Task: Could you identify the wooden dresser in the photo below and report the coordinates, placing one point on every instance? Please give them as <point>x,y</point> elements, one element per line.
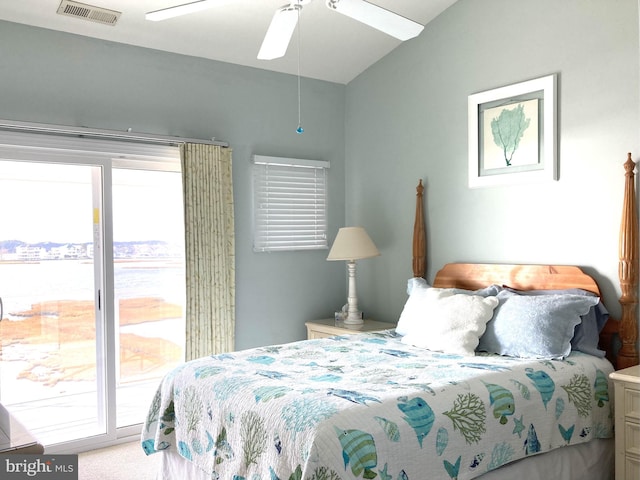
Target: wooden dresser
<point>627,422</point>
<point>329,327</point>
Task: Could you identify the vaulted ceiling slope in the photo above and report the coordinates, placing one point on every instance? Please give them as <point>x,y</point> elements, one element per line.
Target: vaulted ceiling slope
<point>333,47</point>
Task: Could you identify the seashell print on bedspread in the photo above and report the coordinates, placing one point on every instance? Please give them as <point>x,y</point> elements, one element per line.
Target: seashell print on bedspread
<point>368,406</point>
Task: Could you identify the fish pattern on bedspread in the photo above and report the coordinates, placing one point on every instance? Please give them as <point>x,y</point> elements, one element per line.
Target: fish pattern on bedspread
<point>368,406</point>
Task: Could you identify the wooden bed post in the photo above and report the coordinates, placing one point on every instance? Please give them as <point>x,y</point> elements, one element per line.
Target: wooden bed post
<point>419,241</point>
<point>628,271</point>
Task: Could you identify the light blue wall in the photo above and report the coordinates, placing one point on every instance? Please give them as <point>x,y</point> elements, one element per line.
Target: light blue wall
<point>407,119</point>
<point>52,77</point>
<point>403,119</point>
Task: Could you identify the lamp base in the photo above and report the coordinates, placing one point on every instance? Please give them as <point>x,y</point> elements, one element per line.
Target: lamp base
<point>354,318</point>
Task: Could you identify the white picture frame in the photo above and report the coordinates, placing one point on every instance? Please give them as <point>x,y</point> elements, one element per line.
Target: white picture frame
<point>512,134</point>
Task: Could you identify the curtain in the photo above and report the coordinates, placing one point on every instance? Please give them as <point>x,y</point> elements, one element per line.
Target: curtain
<point>210,249</point>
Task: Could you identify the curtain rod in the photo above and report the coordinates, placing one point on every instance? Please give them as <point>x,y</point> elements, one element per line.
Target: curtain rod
<point>12,125</point>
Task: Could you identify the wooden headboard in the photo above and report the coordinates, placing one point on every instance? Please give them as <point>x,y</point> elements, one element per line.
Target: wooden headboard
<point>556,277</point>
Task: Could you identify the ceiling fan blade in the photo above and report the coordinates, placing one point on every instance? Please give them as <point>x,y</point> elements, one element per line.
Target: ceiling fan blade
<point>279,34</point>
<point>377,17</point>
<point>183,9</point>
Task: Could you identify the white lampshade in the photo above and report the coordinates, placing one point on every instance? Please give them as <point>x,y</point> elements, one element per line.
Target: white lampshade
<point>352,243</point>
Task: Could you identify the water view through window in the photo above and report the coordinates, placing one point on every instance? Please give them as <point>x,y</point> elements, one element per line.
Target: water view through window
<point>149,283</point>
<point>92,310</point>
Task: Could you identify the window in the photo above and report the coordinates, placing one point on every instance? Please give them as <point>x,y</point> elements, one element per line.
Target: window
<point>290,204</point>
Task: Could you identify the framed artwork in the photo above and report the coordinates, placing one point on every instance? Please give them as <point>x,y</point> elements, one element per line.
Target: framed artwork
<point>512,134</point>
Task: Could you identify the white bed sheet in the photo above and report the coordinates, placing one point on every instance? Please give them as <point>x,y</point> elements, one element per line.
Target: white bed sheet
<point>588,461</point>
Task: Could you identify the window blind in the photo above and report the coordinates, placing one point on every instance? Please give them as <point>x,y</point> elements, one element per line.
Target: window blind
<point>290,204</point>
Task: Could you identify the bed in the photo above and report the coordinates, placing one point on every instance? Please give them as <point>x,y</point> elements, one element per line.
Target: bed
<point>464,387</point>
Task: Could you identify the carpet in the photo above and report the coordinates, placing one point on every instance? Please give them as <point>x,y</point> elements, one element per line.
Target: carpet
<point>125,461</point>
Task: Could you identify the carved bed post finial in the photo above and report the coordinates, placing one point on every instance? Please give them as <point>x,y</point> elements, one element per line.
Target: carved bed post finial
<point>419,241</point>
<point>628,271</point>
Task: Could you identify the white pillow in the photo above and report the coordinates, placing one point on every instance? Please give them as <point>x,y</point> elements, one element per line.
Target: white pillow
<point>417,289</point>
<point>416,282</point>
<point>451,323</point>
<point>415,306</point>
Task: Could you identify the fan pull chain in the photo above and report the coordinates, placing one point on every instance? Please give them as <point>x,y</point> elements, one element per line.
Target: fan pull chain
<point>299,130</point>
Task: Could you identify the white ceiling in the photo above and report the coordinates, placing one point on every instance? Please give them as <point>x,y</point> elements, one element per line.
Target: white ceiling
<point>333,47</point>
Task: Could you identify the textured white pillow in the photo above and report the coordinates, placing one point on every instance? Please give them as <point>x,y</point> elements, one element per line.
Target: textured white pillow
<point>452,323</point>
<point>417,303</point>
<point>413,313</point>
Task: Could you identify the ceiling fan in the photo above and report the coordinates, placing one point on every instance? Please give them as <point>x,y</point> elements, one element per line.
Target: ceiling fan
<point>285,20</point>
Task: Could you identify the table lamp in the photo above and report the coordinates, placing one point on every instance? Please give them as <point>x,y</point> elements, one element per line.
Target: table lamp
<point>351,244</point>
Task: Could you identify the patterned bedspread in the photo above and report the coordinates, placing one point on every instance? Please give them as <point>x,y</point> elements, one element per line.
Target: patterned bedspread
<point>368,406</point>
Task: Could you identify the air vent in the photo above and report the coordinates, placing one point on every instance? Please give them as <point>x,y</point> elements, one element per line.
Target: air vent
<point>88,12</point>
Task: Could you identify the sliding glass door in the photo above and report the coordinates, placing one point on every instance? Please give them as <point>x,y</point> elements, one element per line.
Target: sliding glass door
<point>52,323</point>
<point>92,289</point>
<point>149,275</point>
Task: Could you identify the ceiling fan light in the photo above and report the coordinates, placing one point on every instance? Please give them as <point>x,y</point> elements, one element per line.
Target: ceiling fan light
<point>279,34</point>
<point>377,17</point>
<point>184,9</point>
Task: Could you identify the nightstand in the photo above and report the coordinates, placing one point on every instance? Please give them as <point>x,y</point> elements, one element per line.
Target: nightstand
<point>14,438</point>
<point>627,422</point>
<point>328,327</point>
